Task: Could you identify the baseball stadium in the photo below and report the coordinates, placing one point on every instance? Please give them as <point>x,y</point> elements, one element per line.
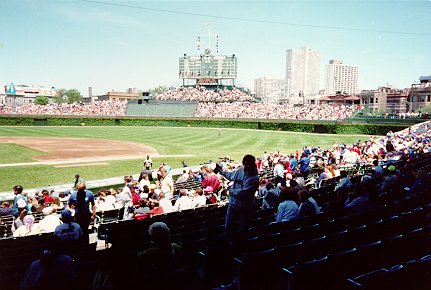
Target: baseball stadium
<point>206,186</point>
<point>43,152</point>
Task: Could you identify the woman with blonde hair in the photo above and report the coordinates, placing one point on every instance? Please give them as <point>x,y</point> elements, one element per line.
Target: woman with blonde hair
<point>56,201</point>
<point>334,170</point>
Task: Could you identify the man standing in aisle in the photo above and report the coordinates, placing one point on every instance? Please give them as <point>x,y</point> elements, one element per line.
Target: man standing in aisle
<point>80,202</point>
<point>304,165</point>
<point>17,190</point>
<point>241,198</point>
<point>166,183</point>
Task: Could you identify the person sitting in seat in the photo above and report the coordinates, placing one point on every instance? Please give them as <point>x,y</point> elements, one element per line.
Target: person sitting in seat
<point>68,231</point>
<point>5,209</point>
<point>306,208</point>
<point>28,228</point>
<point>357,201</point>
<point>199,198</point>
<point>184,201</point>
<point>210,179</point>
<point>164,256</point>
<point>344,184</point>
<point>271,196</point>
<point>288,209</point>
<point>50,221</point>
<point>51,270</point>
<point>183,177</point>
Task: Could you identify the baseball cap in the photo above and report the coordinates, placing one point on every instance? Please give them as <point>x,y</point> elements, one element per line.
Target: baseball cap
<point>66,214</point>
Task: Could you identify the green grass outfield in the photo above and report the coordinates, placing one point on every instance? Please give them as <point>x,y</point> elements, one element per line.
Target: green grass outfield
<point>201,143</point>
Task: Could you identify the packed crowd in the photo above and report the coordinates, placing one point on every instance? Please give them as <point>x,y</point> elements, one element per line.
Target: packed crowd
<point>274,111</point>
<point>100,108</point>
<point>289,187</point>
<point>402,145</point>
<point>201,94</point>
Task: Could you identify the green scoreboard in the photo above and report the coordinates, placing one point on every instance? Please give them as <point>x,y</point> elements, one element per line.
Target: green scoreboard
<point>208,68</point>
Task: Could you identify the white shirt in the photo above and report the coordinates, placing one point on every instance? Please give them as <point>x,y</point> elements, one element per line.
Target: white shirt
<point>49,223</point>
<point>199,200</point>
<point>166,183</point>
<point>125,195</point>
<point>166,204</point>
<point>184,202</point>
<point>104,206</point>
<point>23,231</point>
<point>110,199</point>
<point>148,163</point>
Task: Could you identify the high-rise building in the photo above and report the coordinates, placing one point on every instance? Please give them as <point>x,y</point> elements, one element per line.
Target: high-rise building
<point>270,89</point>
<point>341,77</point>
<point>302,72</point>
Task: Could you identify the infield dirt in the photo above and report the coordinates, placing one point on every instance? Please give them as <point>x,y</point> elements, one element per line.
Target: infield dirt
<point>81,149</point>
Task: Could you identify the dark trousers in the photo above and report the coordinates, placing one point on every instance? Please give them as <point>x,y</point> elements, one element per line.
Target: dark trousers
<point>236,224</point>
<point>84,220</point>
<point>304,173</point>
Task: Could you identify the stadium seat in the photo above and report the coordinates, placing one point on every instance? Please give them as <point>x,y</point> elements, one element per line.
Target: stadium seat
<point>291,236</point>
<point>290,255</point>
<point>262,242</point>
<point>371,256</point>
<point>340,241</point>
<point>255,270</point>
<point>316,248</point>
<point>316,275</point>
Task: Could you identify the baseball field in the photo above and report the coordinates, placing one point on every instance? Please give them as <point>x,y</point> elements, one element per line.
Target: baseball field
<point>42,156</point>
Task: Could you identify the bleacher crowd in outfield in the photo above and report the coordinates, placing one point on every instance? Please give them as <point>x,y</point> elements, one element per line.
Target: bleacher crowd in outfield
<point>102,108</point>
<point>221,103</point>
<point>274,111</point>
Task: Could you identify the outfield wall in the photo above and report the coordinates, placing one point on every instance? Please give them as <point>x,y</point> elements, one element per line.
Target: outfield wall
<point>156,108</point>
<point>328,127</point>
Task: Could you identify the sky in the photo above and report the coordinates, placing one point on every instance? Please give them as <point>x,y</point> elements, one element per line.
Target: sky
<point>114,45</point>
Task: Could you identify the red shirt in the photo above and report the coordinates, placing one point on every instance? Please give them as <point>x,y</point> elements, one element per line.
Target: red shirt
<point>48,199</point>
<point>211,180</point>
<point>157,210</point>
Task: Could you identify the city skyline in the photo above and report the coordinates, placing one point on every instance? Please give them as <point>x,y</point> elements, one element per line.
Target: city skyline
<point>341,77</point>
<point>302,72</point>
<point>115,45</point>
